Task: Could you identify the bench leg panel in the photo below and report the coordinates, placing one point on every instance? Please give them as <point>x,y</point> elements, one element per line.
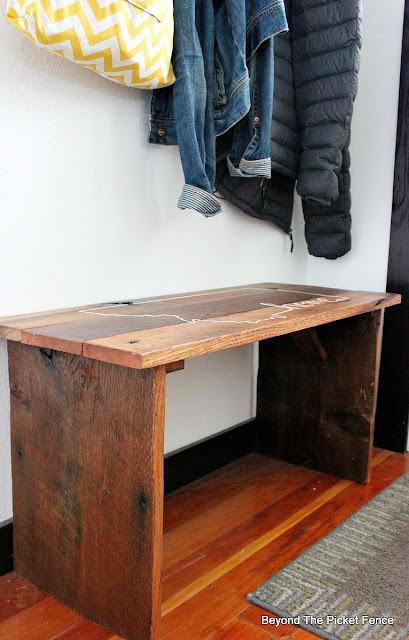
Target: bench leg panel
<point>316,396</point>
<point>87,459</point>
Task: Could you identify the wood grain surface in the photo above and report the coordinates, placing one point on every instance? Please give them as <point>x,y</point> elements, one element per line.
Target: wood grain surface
<point>316,396</point>
<point>87,453</point>
<point>153,331</point>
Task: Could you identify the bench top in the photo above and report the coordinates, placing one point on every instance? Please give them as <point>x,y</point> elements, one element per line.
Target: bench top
<point>153,331</point>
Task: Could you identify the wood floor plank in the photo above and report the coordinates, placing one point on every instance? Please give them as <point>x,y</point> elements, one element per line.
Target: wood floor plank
<point>214,488</point>
<point>42,621</point>
<point>201,568</point>
<point>253,615</point>
<point>7,577</point>
<point>241,630</point>
<point>253,547</point>
<point>16,595</point>
<point>302,634</point>
<point>217,486</point>
<point>85,631</point>
<point>225,599</point>
<point>209,524</point>
<point>218,557</point>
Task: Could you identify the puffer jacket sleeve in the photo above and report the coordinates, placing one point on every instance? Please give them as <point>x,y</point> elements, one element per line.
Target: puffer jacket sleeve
<point>326,38</point>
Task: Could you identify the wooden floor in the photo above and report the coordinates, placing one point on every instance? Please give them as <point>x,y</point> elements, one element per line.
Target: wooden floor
<point>224,535</point>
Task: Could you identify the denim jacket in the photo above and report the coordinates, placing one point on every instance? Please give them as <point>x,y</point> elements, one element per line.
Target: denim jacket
<point>223,61</point>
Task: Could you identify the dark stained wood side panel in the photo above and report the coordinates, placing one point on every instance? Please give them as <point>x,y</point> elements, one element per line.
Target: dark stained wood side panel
<point>391,429</point>
<point>87,454</point>
<point>319,412</point>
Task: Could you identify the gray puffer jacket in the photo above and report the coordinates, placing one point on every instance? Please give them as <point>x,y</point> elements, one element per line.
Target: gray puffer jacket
<point>316,73</point>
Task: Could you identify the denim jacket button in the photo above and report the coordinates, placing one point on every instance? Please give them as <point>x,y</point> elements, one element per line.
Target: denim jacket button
<point>256,120</point>
<point>161,132</point>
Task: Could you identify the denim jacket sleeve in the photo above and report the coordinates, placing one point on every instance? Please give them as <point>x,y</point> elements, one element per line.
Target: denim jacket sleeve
<point>212,42</point>
<point>184,115</point>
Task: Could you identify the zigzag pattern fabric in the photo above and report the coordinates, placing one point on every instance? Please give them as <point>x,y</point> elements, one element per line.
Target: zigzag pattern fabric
<point>129,42</point>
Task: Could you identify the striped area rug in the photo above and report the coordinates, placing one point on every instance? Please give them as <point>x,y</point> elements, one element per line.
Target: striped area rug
<point>354,583</point>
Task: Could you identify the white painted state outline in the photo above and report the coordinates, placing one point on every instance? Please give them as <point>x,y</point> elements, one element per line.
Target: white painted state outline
<point>292,306</point>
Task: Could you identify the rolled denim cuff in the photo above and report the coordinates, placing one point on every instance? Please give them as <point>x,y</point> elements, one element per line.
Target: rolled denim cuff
<point>199,200</point>
<point>250,168</point>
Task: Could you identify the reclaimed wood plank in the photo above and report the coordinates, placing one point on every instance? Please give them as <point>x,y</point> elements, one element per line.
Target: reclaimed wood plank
<point>310,346</point>
<point>106,322</point>
<point>32,623</point>
<point>87,454</point>
<point>149,332</point>
<point>320,412</point>
<point>11,326</point>
<point>159,346</point>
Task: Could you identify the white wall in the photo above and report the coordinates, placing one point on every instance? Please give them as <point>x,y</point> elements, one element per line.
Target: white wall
<point>88,214</point>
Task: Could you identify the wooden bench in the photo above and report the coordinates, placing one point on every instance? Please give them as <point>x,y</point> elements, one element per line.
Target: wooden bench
<point>87,422</point>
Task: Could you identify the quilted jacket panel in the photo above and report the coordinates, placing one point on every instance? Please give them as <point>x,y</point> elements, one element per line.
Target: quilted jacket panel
<point>316,80</point>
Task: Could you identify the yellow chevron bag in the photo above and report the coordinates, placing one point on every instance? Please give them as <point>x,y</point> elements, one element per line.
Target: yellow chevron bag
<point>127,41</point>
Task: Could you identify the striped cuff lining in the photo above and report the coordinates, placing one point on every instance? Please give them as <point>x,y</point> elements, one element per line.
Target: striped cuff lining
<point>199,200</point>
<point>250,168</point>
